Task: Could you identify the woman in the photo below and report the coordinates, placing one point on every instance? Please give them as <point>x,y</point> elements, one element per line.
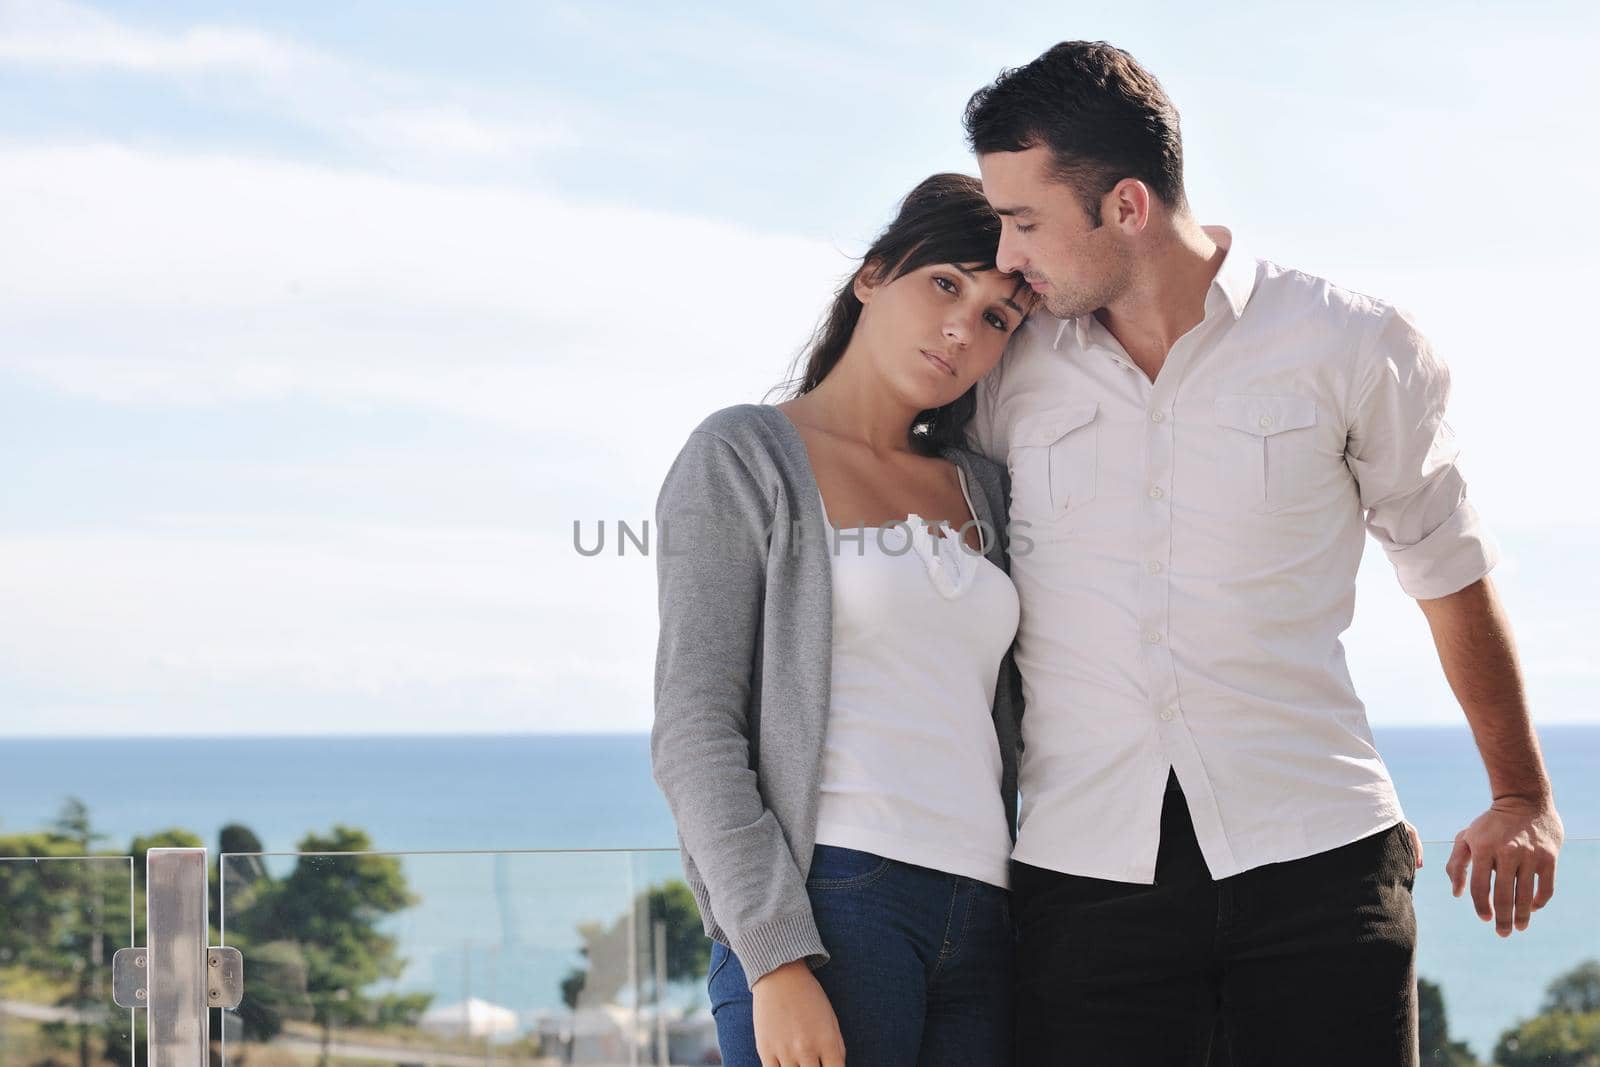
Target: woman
<point>836,704</point>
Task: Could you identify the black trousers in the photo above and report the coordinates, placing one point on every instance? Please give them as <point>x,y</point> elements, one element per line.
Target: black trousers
<point>1307,963</point>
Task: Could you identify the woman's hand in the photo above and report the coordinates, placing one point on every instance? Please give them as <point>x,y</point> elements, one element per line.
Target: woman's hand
<point>1416,843</point>
<point>795,1025</point>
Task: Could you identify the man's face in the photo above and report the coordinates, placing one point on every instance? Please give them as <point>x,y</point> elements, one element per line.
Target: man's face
<point>1075,266</point>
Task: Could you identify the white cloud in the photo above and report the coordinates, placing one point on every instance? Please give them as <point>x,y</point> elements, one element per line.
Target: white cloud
<point>149,278</point>
<point>583,332</point>
<point>199,278</point>
<point>182,622</point>
<point>441,131</point>
<point>1548,591</point>
<point>60,34</point>
<point>395,118</point>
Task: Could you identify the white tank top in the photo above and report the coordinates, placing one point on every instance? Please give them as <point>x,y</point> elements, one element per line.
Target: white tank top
<point>911,765</point>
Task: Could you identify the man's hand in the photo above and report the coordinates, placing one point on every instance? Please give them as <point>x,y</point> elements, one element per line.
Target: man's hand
<point>1518,838</point>
<point>1416,843</point>
<point>795,1025</point>
<point>1508,844</point>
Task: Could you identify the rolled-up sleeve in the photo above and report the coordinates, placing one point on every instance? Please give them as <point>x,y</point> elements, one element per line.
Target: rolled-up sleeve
<point>713,518</point>
<point>1403,455</point>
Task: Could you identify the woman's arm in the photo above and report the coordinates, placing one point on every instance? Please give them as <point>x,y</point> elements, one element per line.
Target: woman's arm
<point>713,518</point>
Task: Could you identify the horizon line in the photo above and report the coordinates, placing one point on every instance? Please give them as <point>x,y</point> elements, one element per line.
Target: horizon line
<point>570,734</point>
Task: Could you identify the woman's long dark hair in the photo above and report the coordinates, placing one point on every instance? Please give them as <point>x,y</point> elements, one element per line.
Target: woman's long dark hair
<point>945,219</point>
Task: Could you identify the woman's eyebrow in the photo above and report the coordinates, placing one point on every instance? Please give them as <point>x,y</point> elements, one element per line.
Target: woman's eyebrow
<point>1010,301</point>
<point>1005,299</point>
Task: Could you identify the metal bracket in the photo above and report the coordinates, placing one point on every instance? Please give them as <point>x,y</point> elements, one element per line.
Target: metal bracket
<point>130,970</point>
<point>224,977</point>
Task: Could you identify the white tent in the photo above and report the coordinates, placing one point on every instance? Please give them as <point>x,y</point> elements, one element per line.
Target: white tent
<point>471,1018</point>
<point>692,1037</point>
<point>593,1033</point>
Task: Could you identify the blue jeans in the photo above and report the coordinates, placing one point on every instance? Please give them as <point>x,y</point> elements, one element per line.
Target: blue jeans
<point>919,973</point>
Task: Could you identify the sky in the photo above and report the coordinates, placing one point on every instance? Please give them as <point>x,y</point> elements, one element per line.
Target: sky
<point>321,324</point>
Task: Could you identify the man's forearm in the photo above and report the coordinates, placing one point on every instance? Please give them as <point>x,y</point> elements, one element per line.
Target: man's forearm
<point>1479,657</point>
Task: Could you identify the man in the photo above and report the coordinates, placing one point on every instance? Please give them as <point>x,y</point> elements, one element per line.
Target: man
<point>1196,440</point>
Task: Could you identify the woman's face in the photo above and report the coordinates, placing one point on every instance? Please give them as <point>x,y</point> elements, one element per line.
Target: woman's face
<point>936,330</point>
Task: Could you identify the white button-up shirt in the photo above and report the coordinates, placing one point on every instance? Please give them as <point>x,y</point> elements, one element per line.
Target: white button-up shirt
<point>1185,552</point>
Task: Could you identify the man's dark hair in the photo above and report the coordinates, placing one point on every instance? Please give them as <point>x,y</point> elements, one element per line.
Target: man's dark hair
<point>1103,117</point>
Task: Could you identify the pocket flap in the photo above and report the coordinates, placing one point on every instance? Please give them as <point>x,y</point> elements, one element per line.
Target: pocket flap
<point>1266,415</point>
<point>1050,426</point>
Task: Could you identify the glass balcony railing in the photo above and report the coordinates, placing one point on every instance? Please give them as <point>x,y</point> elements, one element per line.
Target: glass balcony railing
<point>598,958</point>
<point>462,959</point>
<point>467,958</point>
<point>62,919</point>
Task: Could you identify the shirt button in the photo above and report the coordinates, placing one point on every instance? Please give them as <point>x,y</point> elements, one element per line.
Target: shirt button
<point>1265,421</point>
<point>1166,714</point>
<point>1154,566</point>
<point>1158,416</point>
<point>1153,638</point>
<point>1156,493</point>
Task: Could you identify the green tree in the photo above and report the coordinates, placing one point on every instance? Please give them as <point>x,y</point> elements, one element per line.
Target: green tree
<point>688,952</point>
<point>310,942</point>
<point>328,908</point>
<point>275,989</point>
<point>23,899</point>
<point>1433,1030</point>
<point>606,946</point>
<point>73,825</point>
<point>83,945</point>
<point>56,927</point>
<point>1560,1039</point>
<point>1577,991</point>
<point>1567,1034</point>
<point>238,873</point>
<point>668,907</point>
<point>401,1009</point>
<point>26,970</point>
<point>572,987</point>
<point>242,847</point>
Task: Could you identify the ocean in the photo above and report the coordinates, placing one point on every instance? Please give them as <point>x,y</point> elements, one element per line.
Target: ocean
<point>504,926</point>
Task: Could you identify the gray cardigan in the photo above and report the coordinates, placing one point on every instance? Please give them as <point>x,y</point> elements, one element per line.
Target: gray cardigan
<point>743,672</point>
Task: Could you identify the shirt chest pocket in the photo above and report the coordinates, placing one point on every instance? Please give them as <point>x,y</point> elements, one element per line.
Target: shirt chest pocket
<point>1053,460</point>
<point>1268,458</point>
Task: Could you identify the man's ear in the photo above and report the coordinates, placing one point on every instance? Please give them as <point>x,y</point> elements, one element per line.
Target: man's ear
<point>869,279</point>
<point>1128,205</point>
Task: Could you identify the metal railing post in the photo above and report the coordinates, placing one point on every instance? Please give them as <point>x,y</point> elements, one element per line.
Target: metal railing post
<point>176,932</point>
<point>176,977</point>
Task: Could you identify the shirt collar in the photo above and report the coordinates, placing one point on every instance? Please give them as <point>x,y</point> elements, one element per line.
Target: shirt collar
<point>1235,281</point>
<point>1236,278</point>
